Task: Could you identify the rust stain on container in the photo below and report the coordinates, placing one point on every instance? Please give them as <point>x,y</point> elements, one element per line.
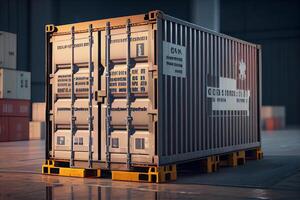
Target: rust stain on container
<point>193,92</point>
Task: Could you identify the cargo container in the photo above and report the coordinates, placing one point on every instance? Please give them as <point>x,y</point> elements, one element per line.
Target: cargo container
<point>14,107</point>
<point>8,50</point>
<point>8,81</point>
<point>23,85</point>
<point>38,111</point>
<point>18,128</point>
<point>15,84</point>
<point>148,90</point>
<point>3,129</point>
<point>14,128</point>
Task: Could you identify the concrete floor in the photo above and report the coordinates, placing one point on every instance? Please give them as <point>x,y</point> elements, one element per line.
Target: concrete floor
<point>277,176</point>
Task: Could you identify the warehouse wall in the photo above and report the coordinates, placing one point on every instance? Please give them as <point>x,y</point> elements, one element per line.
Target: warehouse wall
<point>275,24</point>
<point>206,13</point>
<point>14,18</point>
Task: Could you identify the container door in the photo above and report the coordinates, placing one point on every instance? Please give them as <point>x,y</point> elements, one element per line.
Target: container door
<point>130,129</point>
<point>62,80</point>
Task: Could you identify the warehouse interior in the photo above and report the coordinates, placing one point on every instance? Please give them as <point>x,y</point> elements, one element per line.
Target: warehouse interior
<point>274,24</point>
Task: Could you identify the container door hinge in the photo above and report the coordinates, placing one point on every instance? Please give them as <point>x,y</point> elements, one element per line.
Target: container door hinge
<point>153,114</point>
<point>152,68</point>
<point>152,111</point>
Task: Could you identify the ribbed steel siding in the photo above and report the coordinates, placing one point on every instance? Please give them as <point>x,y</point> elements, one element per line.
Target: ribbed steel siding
<point>187,127</point>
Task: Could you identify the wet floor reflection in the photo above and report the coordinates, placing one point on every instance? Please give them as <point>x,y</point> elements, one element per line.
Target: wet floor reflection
<point>75,192</point>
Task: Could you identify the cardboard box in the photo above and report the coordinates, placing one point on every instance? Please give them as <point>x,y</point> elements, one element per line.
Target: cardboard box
<point>23,85</point>
<point>8,50</point>
<point>272,117</point>
<point>38,112</point>
<point>37,130</point>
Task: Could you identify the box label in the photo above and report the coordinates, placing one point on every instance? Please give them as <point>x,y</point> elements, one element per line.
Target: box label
<point>174,60</point>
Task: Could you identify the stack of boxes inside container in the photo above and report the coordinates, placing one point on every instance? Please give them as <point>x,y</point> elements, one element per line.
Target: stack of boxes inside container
<point>15,92</point>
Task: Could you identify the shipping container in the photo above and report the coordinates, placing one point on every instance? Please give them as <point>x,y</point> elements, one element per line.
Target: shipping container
<point>8,50</point>
<point>148,89</point>
<point>18,128</point>
<point>37,130</point>
<point>38,111</point>
<point>8,81</point>
<point>15,84</point>
<point>14,107</point>
<point>3,129</point>
<point>23,85</point>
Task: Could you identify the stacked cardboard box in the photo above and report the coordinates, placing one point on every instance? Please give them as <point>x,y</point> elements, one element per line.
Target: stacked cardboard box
<point>273,117</point>
<point>15,92</point>
<point>37,127</point>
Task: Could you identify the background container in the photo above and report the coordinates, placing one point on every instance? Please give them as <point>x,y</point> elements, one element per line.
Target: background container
<point>8,50</point>
<point>193,92</point>
<point>14,107</point>
<point>15,84</point>
<point>3,129</point>
<point>18,128</point>
<point>274,116</point>
<point>8,84</point>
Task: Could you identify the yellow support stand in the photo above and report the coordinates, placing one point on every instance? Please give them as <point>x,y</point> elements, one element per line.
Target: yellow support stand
<point>233,159</point>
<point>153,175</point>
<point>50,169</point>
<point>210,164</point>
<point>254,154</point>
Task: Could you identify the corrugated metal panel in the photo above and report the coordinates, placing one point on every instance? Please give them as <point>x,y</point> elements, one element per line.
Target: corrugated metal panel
<point>213,60</point>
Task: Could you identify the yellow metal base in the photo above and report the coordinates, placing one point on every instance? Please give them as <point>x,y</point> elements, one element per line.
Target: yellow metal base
<point>153,175</point>
<point>254,154</point>
<point>210,164</point>
<point>50,168</point>
<point>233,159</point>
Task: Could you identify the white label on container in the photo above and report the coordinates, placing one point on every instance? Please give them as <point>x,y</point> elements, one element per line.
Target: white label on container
<point>174,59</point>
<point>227,97</point>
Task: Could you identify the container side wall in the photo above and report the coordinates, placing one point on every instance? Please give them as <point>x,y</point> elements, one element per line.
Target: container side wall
<point>208,92</point>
